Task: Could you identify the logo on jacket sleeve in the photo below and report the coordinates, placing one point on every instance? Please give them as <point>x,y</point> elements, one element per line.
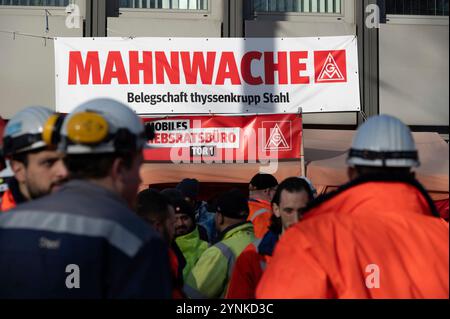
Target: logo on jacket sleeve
<point>330,66</point>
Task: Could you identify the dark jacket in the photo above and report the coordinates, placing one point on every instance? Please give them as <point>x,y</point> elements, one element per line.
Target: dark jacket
<point>117,254</point>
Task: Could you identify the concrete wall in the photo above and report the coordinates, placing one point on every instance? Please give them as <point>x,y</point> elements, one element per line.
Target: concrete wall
<point>414,67</point>
<point>414,70</point>
<point>27,63</point>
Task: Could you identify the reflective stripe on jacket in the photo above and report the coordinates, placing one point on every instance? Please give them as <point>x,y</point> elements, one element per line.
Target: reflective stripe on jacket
<point>209,277</point>
<point>260,215</point>
<point>192,248</point>
<point>87,227</point>
<point>371,240</point>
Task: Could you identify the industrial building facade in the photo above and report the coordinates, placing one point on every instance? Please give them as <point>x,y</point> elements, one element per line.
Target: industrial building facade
<point>404,62</point>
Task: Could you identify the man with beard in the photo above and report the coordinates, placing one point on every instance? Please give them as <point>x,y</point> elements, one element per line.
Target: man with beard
<point>189,188</point>
<point>187,235</point>
<point>158,211</point>
<point>37,166</point>
<point>290,198</point>
<point>85,241</point>
<point>210,276</point>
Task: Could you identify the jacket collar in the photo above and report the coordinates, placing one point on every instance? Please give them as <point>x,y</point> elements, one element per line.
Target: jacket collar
<point>231,230</point>
<point>190,236</point>
<point>257,200</point>
<point>267,244</point>
<point>409,188</point>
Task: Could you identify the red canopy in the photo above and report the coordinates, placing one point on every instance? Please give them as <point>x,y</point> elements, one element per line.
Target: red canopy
<point>325,153</point>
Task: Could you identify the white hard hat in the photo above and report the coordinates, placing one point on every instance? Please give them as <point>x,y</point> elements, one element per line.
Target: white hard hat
<point>102,126</point>
<point>383,141</point>
<point>24,131</point>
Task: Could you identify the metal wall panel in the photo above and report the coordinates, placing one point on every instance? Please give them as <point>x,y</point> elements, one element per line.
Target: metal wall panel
<point>414,70</point>
<point>170,21</point>
<point>27,63</point>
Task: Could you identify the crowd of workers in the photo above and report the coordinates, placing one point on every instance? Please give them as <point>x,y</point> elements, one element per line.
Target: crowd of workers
<point>74,202</point>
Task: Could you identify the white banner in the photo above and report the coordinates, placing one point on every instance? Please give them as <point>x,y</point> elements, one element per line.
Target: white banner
<point>210,75</point>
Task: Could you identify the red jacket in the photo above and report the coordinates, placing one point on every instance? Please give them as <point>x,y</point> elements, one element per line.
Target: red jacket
<point>177,290</point>
<point>250,266</point>
<point>247,272</point>
<point>260,215</point>
<point>7,201</point>
<point>372,240</point>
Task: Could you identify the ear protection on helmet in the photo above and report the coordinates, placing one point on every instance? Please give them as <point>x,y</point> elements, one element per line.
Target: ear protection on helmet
<point>51,131</point>
<point>87,128</point>
<point>91,128</point>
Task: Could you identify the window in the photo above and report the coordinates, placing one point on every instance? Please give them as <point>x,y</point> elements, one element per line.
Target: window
<point>165,4</point>
<point>43,3</point>
<point>417,7</point>
<point>301,6</point>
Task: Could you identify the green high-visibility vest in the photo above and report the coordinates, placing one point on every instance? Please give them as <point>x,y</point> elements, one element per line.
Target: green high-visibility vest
<point>210,276</point>
<point>192,248</point>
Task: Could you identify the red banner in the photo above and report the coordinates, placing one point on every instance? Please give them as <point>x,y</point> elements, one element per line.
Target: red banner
<point>225,139</point>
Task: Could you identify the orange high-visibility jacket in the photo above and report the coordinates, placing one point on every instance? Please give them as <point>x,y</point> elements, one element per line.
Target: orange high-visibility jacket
<point>260,215</point>
<point>372,240</point>
<point>7,201</point>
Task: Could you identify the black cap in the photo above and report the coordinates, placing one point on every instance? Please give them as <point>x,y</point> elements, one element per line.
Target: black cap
<point>263,181</point>
<point>181,206</point>
<point>233,204</point>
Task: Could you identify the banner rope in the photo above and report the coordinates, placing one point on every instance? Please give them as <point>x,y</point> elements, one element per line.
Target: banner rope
<point>15,33</point>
